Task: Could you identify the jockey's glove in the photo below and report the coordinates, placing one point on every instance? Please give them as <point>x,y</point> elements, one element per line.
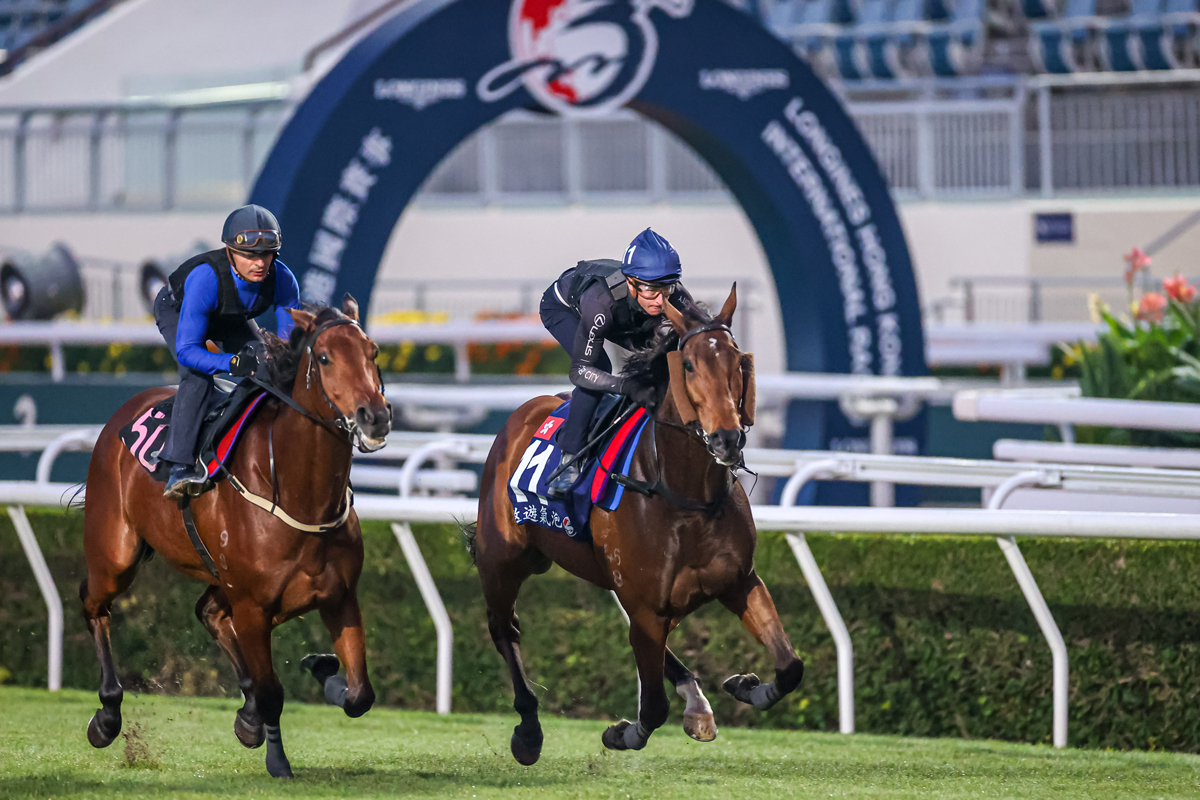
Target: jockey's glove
<point>641,392</point>
<point>244,364</point>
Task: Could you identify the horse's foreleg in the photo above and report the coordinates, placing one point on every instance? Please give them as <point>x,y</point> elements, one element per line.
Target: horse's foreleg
<point>698,720</point>
<point>648,635</point>
<point>254,639</point>
<point>751,601</point>
<point>352,692</point>
<point>215,613</point>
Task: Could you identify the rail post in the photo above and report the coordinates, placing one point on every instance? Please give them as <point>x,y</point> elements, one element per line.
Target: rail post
<point>45,582</point>
<point>820,590</point>
<point>420,570</point>
<point>1037,603</point>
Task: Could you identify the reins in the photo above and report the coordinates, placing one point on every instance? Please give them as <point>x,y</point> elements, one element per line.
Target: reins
<point>339,427</point>
<point>659,487</point>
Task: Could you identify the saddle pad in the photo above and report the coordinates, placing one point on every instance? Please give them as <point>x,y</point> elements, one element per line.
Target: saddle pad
<point>527,488</point>
<point>147,433</point>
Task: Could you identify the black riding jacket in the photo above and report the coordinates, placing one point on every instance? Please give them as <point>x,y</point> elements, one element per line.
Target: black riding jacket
<point>597,291</point>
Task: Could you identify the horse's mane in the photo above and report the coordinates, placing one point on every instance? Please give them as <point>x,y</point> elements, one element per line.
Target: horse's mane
<point>283,356</point>
<point>649,364</point>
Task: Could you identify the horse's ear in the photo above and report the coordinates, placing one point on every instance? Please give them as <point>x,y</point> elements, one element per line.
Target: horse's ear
<point>726,315</point>
<point>303,319</point>
<point>676,318</point>
<point>350,307</point>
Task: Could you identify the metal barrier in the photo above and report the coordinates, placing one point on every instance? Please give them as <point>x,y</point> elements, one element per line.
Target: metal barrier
<point>936,138</point>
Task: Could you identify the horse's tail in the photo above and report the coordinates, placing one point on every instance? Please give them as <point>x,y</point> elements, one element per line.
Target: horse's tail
<point>75,501</point>
<point>469,530</point>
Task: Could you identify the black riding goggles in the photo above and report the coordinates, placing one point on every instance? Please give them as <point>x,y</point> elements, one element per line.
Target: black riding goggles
<point>256,241</point>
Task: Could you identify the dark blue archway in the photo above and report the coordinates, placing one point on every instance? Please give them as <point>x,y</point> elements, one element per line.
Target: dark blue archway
<point>369,134</point>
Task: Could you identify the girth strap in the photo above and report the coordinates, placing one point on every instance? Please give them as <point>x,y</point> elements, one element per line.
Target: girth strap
<point>275,511</point>
<point>189,525</point>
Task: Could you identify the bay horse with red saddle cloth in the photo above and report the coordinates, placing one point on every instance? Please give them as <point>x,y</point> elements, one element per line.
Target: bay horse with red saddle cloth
<point>301,551</point>
<point>683,535</point>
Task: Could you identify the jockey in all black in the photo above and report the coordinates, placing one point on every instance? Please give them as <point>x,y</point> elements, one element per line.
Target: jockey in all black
<point>607,300</point>
<point>217,295</point>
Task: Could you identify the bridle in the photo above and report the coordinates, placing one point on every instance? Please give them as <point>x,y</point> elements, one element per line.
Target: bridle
<point>693,428</point>
<point>342,424</point>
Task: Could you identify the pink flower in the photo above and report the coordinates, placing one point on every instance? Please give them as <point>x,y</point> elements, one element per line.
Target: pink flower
<point>1138,261</point>
<point>1151,307</point>
<point>1179,289</point>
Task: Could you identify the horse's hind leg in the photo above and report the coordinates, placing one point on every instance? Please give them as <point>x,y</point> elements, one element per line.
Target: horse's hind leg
<point>751,601</point>
<point>648,635</point>
<point>698,720</point>
<point>501,584</point>
<point>112,563</point>
<point>254,639</point>
<point>214,612</point>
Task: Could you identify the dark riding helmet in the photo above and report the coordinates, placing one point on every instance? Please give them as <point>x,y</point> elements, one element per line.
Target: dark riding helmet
<point>252,229</point>
<point>650,258</point>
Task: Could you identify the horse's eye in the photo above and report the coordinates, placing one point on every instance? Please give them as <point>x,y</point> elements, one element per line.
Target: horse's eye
<point>687,365</point>
<point>324,359</point>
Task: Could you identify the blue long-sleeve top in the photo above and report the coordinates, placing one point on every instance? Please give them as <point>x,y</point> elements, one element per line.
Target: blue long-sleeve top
<point>201,296</point>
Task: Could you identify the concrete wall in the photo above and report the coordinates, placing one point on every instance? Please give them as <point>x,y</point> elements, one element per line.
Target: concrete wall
<point>180,44</point>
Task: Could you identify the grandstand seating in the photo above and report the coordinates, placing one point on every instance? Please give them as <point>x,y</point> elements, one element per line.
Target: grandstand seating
<point>888,39</point>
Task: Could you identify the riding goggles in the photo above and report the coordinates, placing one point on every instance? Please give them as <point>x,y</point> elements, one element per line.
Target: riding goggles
<point>256,241</point>
<point>650,290</point>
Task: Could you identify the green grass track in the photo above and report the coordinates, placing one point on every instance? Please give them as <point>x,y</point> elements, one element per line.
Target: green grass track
<point>184,747</point>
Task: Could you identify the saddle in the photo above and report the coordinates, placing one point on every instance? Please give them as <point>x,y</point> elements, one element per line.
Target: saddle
<point>228,414</point>
<point>613,438</point>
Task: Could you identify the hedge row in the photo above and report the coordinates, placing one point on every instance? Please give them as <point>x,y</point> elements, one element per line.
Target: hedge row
<point>944,643</point>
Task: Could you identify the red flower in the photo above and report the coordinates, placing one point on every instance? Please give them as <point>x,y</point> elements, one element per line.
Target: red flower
<point>1179,289</point>
<point>1137,261</point>
<point>1151,307</point>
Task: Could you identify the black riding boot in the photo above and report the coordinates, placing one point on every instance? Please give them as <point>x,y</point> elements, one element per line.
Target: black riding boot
<point>568,473</point>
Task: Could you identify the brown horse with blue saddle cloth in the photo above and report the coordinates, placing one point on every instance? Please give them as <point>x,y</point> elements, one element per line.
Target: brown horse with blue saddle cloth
<point>682,535</point>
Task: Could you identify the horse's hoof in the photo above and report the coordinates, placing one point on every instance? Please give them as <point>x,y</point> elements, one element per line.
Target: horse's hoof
<point>525,753</point>
<point>323,666</point>
<point>278,766</point>
<point>701,727</point>
<point>740,686</point>
<point>97,736</point>
<point>614,736</point>
<point>249,734</point>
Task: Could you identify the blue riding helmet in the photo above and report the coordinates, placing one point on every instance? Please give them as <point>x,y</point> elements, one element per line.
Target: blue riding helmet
<point>651,258</point>
<point>252,229</point>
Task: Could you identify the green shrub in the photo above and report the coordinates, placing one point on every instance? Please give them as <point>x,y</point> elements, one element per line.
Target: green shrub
<point>945,645</point>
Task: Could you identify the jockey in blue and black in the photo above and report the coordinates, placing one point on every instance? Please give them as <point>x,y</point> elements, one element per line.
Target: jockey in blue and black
<point>607,300</point>
<point>217,295</point>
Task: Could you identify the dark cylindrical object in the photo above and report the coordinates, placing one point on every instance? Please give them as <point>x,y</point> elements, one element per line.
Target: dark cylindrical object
<point>41,288</point>
<point>156,269</point>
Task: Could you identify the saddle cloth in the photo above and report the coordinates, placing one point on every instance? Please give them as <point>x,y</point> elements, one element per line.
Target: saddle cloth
<point>527,487</point>
<point>222,427</point>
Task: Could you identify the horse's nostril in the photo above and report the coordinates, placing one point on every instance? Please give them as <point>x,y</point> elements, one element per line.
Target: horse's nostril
<point>365,416</point>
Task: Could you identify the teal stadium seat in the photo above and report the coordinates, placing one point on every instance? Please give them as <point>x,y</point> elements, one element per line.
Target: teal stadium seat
<point>956,46</point>
<point>1069,43</point>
